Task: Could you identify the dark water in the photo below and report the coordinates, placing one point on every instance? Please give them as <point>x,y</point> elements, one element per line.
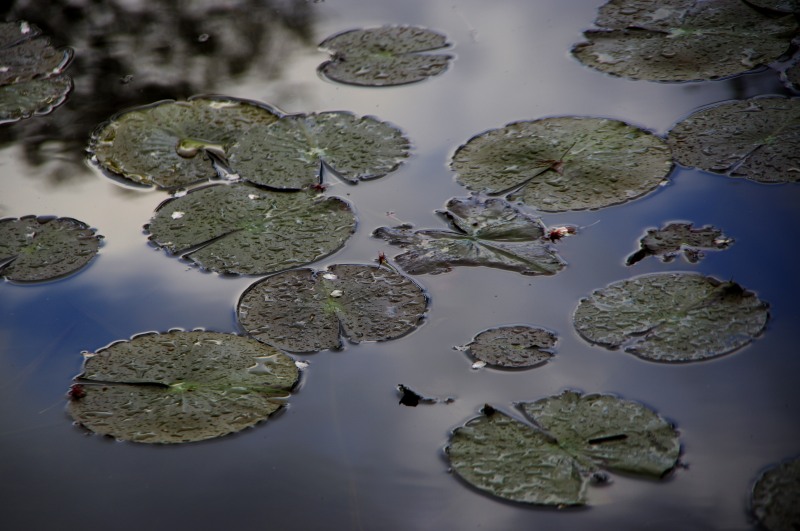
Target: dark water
<point>345,455</point>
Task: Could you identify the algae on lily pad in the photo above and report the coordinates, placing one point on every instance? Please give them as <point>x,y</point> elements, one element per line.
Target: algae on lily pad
<point>775,499</point>
<point>517,346</point>
<point>180,386</point>
<point>758,139</point>
<point>483,232</point>
<point>564,163</point>
<point>31,77</point>
<point>44,248</point>
<point>672,317</point>
<point>680,238</point>
<point>304,310</point>
<point>291,153</point>
<point>240,229</point>
<point>386,56</point>
<point>170,144</point>
<point>568,441</point>
<point>683,40</point>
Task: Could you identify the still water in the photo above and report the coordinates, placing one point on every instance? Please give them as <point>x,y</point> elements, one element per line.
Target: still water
<point>345,455</point>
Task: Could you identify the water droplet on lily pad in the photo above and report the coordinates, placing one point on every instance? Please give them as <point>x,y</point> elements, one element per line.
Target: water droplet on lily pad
<point>178,387</point>
<point>775,499</point>
<point>680,238</point>
<point>517,346</point>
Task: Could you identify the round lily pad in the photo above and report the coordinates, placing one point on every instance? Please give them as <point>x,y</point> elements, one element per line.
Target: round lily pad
<point>41,248</point>
<point>240,229</point>
<point>683,40</point>
<point>568,441</point>
<point>180,387</point>
<point>672,317</point>
<point>290,153</point>
<point>775,499</point>
<point>304,310</point>
<point>516,346</point>
<point>167,144</point>
<point>758,139</point>
<point>386,56</point>
<point>564,163</point>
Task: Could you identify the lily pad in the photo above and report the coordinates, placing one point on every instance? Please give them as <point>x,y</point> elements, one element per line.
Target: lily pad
<point>775,499</point>
<point>564,163</point>
<point>572,438</point>
<point>683,40</point>
<point>31,77</point>
<point>483,232</point>
<point>758,139</point>
<point>41,248</point>
<point>792,76</point>
<point>516,346</point>
<point>180,387</point>
<point>781,6</point>
<point>677,238</point>
<point>170,144</point>
<point>290,153</point>
<point>303,310</point>
<point>386,56</point>
<point>672,317</point>
<point>240,229</point>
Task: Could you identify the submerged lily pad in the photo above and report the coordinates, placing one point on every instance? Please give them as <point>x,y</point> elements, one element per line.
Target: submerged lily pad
<point>303,310</point>
<point>180,387</point>
<point>43,248</point>
<point>31,77</point>
<point>240,229</point>
<point>758,139</point>
<point>672,317</point>
<point>775,499</point>
<point>488,232</point>
<point>572,438</point>
<point>683,40</point>
<point>290,153</point>
<point>167,144</point>
<point>513,346</point>
<point>564,163</point>
<point>677,238</point>
<point>386,56</point>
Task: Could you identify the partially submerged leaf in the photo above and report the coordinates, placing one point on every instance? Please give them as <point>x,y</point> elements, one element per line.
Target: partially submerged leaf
<point>672,317</point>
<point>683,40</point>
<point>43,248</point>
<point>758,139</point>
<point>775,499</point>
<point>167,144</point>
<point>410,398</point>
<point>181,387</point>
<point>571,438</point>
<point>488,232</point>
<point>564,163</point>
<point>676,238</point>
<point>386,56</point>
<point>240,229</point>
<point>290,153</point>
<point>303,310</point>
<point>513,346</point>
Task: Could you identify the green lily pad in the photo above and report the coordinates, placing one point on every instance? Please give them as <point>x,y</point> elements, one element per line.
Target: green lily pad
<point>290,153</point>
<point>484,232</point>
<point>180,387</point>
<point>303,310</point>
<point>775,500</point>
<point>683,40</point>
<point>781,6</point>
<point>31,78</point>
<point>516,346</point>
<point>42,248</point>
<point>240,229</point>
<point>677,238</point>
<point>386,56</point>
<point>792,76</point>
<point>672,317</point>
<point>564,163</point>
<point>758,139</point>
<point>572,438</point>
<point>170,144</point>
